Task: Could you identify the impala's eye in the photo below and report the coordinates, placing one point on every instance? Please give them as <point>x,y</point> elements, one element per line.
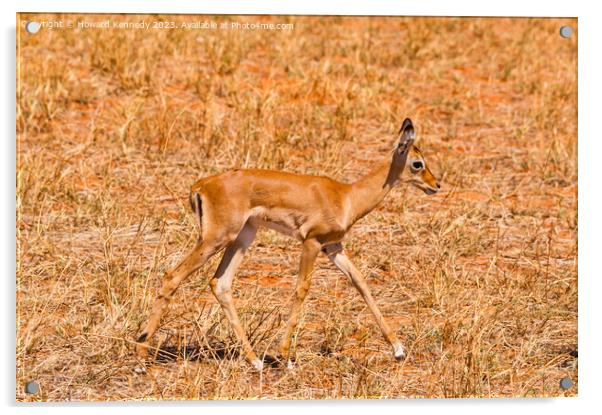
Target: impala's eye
<point>417,165</point>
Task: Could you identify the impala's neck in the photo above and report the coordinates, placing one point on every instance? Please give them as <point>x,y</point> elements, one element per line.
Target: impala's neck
<point>370,190</point>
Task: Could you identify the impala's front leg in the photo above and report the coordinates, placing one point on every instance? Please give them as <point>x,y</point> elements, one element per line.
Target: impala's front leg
<point>311,249</point>
<point>336,255</point>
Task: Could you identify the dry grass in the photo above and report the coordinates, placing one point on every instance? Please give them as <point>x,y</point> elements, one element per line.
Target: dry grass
<point>480,280</point>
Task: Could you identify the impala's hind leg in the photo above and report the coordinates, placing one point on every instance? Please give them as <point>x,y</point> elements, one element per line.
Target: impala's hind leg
<point>221,285</point>
<point>311,249</point>
<point>173,278</point>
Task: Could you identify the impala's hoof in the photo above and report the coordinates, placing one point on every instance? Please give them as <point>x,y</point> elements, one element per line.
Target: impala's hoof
<point>286,362</point>
<point>399,353</point>
<point>257,364</point>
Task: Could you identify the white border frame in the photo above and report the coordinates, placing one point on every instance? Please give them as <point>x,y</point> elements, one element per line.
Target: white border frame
<point>590,169</point>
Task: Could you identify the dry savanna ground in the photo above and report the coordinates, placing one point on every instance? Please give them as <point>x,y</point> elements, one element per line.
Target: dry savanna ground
<point>479,281</point>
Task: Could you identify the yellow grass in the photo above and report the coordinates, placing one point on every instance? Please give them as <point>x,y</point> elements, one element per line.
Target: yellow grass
<point>480,280</point>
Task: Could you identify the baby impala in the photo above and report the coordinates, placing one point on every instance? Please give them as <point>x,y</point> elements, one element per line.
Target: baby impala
<point>316,210</point>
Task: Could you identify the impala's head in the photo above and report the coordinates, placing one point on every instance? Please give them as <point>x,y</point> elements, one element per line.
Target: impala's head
<point>418,174</point>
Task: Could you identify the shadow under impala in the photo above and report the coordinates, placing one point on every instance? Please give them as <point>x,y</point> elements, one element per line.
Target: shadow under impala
<point>198,353</point>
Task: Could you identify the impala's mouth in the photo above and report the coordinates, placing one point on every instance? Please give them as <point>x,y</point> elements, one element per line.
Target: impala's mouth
<point>425,187</point>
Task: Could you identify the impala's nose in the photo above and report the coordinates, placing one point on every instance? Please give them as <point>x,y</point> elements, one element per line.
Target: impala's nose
<point>438,186</point>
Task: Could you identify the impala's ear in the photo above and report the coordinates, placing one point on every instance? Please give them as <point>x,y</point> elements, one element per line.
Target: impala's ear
<point>406,136</point>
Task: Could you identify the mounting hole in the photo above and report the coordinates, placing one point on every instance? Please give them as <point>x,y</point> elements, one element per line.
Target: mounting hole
<point>566,383</point>
<point>33,27</point>
<point>32,387</point>
<point>566,31</point>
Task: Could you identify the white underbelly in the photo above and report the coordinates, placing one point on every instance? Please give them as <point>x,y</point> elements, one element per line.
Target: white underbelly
<point>278,227</point>
<point>280,220</point>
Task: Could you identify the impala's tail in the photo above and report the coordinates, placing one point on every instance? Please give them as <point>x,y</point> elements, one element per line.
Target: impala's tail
<point>196,204</point>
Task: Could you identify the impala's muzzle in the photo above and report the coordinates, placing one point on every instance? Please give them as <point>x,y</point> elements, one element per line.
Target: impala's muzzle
<point>428,183</point>
<point>430,190</point>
